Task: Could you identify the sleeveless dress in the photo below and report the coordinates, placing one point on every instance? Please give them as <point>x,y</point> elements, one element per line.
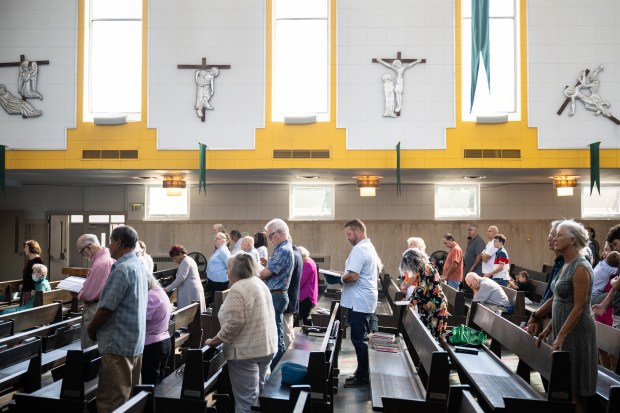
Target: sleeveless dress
<point>581,341</point>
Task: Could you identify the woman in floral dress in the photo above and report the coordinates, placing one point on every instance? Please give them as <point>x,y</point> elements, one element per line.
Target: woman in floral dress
<point>427,298</point>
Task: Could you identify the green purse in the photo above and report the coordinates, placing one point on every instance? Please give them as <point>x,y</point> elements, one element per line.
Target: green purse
<point>463,335</point>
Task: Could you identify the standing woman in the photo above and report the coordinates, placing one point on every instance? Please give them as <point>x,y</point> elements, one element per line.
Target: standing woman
<point>427,298</point>
<point>248,331</point>
<point>308,288</point>
<point>572,326</point>
<point>32,254</point>
<point>157,342</point>
<point>216,267</point>
<point>187,281</point>
<point>260,243</point>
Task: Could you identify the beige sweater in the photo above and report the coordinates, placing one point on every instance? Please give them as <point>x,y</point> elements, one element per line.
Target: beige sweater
<point>247,319</point>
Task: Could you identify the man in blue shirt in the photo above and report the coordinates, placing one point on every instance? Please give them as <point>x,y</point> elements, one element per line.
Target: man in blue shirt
<point>359,295</point>
<point>119,325</point>
<point>277,275</point>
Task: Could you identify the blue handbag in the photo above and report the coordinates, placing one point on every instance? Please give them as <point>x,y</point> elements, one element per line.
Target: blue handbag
<point>293,373</point>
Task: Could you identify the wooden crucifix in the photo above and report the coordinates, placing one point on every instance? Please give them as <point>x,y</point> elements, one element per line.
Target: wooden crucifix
<point>205,81</point>
<point>393,91</point>
<point>27,79</point>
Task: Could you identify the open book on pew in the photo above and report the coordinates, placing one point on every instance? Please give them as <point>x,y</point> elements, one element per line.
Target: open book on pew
<point>73,284</point>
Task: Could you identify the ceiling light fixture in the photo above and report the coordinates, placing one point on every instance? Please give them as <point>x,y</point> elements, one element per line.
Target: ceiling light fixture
<point>368,185</point>
<point>174,184</point>
<point>565,184</point>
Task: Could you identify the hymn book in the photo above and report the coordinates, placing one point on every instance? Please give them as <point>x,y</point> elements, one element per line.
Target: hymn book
<point>73,284</point>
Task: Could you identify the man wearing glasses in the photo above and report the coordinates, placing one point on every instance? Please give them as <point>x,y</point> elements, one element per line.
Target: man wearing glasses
<point>472,261</point>
<point>277,275</point>
<point>101,263</point>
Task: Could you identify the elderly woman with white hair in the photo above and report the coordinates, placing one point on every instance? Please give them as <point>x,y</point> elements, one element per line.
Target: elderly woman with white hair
<point>308,287</point>
<point>572,326</point>
<point>427,298</point>
<point>409,283</point>
<point>487,291</point>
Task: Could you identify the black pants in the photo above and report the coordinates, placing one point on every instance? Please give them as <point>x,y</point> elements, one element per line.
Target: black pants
<point>154,361</point>
<point>305,307</point>
<point>212,287</point>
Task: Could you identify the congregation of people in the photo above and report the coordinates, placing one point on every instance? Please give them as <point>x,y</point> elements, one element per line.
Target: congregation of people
<point>126,310</point>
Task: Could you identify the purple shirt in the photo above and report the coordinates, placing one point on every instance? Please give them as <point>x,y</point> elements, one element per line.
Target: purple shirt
<point>158,310</point>
<point>309,286</point>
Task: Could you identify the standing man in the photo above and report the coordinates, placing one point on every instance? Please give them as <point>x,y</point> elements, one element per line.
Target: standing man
<point>488,255</point>
<point>539,317</point>
<point>359,295</point>
<point>277,275</point>
<point>101,263</point>
<point>235,236</point>
<point>501,263</point>
<point>475,247</point>
<point>293,296</point>
<point>119,325</point>
<point>453,267</point>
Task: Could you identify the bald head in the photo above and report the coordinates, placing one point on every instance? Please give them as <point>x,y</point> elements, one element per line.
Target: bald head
<point>492,232</point>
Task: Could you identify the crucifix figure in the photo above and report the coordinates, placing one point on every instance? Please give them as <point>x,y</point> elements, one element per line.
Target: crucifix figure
<point>205,82</point>
<point>395,91</point>
<point>26,87</point>
<point>586,90</point>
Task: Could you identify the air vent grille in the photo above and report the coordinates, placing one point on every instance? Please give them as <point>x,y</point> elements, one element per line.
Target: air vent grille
<point>301,154</point>
<point>110,154</point>
<point>492,153</point>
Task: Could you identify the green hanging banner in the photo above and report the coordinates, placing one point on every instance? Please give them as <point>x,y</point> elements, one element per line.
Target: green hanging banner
<point>595,167</point>
<point>2,168</point>
<point>480,44</point>
<point>202,184</point>
<point>398,169</point>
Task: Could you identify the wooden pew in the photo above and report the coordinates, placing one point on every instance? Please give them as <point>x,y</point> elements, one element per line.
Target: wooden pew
<point>492,380</point>
<point>75,392</point>
<point>392,294</point>
<point>394,378</point>
<point>456,305</point>
<point>165,277</point>
<point>142,401</point>
<point>209,322</point>
<point>533,274</point>
<point>20,368</point>
<point>301,395</point>
<point>9,290</point>
<point>70,304</point>
<point>460,400</point>
<point>608,384</point>
<point>189,388</point>
<point>537,290</point>
<point>185,332</point>
<point>320,355</point>
<point>517,300</point>
<point>34,317</point>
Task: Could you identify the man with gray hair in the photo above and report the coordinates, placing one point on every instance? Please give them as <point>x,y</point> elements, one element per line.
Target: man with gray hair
<point>101,263</point>
<point>277,275</point>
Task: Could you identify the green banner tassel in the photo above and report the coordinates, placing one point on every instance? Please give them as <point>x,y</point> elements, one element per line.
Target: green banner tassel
<point>202,184</point>
<point>398,169</point>
<point>595,167</point>
<point>2,168</point>
<point>480,44</point>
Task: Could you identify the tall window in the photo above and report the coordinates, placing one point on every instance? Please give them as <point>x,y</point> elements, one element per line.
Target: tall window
<point>457,201</point>
<point>113,58</point>
<point>504,93</point>
<point>300,59</point>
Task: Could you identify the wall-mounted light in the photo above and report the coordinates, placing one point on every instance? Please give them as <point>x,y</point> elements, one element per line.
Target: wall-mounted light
<point>368,184</point>
<point>174,184</point>
<point>565,184</point>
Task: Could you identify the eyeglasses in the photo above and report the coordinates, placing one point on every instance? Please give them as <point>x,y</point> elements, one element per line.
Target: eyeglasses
<point>272,234</point>
<point>84,247</point>
<point>471,229</point>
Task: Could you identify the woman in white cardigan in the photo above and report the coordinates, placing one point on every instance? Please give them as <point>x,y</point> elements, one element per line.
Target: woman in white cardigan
<point>248,330</point>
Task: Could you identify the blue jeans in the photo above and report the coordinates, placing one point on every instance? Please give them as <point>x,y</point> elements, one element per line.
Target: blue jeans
<point>280,302</point>
<point>501,281</point>
<point>454,284</point>
<point>359,337</point>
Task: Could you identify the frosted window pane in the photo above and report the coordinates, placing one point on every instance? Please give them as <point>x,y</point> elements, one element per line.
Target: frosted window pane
<point>312,202</point>
<point>117,219</point>
<point>453,202</point>
<point>116,9</point>
<point>116,66</point>
<point>77,219</point>
<point>497,8</point>
<point>605,205</point>
<point>161,206</point>
<point>301,9</point>
<point>99,219</point>
<point>301,67</point>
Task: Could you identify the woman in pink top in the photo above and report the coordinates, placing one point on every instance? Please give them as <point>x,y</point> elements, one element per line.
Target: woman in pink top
<point>157,342</point>
<point>308,288</point>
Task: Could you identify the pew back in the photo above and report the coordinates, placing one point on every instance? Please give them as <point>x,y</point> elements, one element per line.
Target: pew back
<point>456,305</point>
<point>34,317</point>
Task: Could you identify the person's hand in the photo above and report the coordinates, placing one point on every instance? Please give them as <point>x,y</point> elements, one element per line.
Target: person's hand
<point>543,336</point>
<point>263,261</point>
<point>557,344</point>
<point>598,309</point>
<point>534,326</point>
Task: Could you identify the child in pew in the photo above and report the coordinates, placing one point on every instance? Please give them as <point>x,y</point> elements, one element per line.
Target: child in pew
<point>39,276</point>
<point>521,284</point>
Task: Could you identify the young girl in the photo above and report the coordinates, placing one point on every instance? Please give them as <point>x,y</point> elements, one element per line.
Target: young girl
<point>39,277</point>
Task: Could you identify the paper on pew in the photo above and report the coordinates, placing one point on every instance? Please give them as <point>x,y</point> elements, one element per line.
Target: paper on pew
<point>382,340</point>
<point>73,284</point>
